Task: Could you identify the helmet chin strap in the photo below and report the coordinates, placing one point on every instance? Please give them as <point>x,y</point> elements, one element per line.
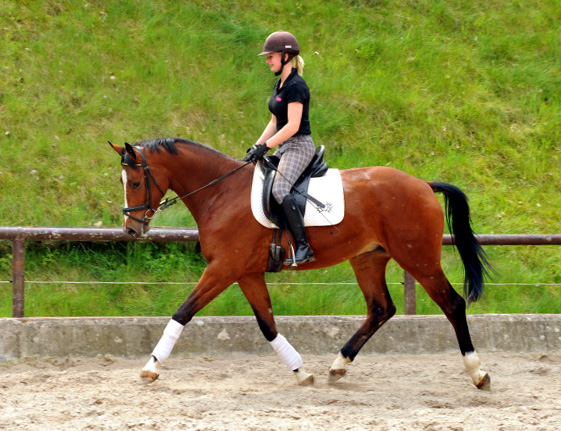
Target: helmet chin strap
<point>284,62</point>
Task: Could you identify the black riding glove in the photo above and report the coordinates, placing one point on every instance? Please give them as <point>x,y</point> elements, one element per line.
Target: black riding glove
<point>256,153</point>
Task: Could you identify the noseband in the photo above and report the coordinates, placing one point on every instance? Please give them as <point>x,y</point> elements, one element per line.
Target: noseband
<point>148,184</point>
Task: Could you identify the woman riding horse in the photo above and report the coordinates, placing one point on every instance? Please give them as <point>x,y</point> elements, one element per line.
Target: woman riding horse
<point>289,130</point>
<point>388,215</point>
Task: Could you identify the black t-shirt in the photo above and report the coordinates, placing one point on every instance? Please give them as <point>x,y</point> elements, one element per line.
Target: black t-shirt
<point>294,89</point>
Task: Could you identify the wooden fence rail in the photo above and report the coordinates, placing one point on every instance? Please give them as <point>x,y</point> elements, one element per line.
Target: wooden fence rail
<point>19,235</point>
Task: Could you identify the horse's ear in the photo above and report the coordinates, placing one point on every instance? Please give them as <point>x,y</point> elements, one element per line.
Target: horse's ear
<point>117,148</point>
<point>130,150</point>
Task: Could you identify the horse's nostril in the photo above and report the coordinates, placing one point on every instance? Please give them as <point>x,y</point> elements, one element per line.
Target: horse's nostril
<point>131,231</point>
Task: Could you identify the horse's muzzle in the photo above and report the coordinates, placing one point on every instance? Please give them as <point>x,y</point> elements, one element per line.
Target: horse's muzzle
<point>130,231</point>
<point>136,231</point>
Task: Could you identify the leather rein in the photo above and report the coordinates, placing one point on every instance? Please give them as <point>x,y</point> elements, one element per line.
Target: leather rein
<point>167,202</point>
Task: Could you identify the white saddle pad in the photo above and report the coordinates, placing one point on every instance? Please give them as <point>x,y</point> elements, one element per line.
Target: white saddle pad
<point>327,189</point>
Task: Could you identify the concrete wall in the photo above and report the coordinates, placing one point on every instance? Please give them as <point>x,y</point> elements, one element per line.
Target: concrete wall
<point>237,336</point>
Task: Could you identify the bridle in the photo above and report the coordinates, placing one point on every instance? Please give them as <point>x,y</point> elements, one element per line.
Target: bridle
<point>145,220</point>
<point>148,185</point>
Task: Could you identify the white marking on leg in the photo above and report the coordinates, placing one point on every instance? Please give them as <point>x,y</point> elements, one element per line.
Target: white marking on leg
<point>338,369</point>
<point>473,363</point>
<point>152,366</point>
<point>150,371</point>
<point>340,362</point>
<point>303,378</point>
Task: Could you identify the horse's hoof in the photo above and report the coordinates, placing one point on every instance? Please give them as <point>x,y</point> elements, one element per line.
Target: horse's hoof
<point>308,381</point>
<point>485,383</point>
<point>148,376</point>
<point>303,378</point>
<point>335,375</point>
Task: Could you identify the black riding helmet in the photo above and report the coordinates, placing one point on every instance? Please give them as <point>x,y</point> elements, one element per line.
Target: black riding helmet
<point>283,42</point>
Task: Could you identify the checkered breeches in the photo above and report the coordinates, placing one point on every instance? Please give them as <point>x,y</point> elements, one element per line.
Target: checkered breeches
<point>295,155</point>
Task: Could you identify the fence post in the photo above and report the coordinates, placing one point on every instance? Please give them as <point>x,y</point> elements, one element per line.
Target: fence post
<point>18,270</point>
<point>409,294</point>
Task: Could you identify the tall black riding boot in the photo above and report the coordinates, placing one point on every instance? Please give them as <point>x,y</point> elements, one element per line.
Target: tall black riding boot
<point>295,222</point>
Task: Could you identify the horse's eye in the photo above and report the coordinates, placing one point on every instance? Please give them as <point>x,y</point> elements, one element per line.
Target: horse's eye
<point>135,185</point>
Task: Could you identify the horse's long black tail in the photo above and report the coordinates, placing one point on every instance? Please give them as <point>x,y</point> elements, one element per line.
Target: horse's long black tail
<point>476,264</point>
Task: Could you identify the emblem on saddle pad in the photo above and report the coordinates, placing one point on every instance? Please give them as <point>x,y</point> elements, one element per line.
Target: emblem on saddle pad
<point>327,189</point>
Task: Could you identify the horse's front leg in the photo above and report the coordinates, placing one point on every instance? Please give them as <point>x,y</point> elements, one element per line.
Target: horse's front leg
<point>212,283</point>
<point>255,290</point>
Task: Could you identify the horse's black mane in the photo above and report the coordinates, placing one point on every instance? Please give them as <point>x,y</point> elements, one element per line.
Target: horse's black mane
<point>169,144</point>
<point>155,145</point>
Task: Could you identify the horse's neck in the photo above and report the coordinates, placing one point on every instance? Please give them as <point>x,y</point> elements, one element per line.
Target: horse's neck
<point>195,168</point>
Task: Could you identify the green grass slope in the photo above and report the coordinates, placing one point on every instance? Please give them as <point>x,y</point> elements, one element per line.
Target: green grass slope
<point>455,91</point>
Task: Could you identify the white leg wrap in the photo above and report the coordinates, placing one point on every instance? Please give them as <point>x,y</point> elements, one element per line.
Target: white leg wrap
<point>287,353</point>
<point>169,338</point>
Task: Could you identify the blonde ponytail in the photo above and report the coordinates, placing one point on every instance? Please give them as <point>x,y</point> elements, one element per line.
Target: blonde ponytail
<point>298,63</point>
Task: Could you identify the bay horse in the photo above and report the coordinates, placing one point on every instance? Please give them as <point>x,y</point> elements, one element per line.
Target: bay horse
<point>388,215</point>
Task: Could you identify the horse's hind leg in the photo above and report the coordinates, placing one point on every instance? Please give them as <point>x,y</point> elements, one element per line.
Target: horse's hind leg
<point>370,271</point>
<point>255,290</point>
<point>454,307</point>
